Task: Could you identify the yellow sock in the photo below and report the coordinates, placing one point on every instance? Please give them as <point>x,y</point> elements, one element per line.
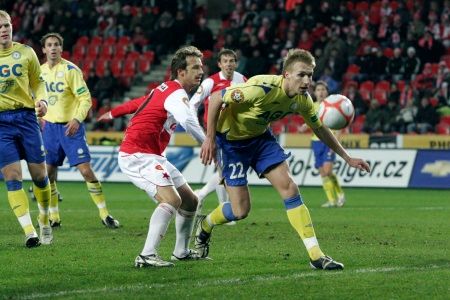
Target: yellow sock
<point>328,187</point>
<point>54,209</point>
<point>43,196</point>
<point>95,189</point>
<point>298,215</point>
<point>337,187</point>
<point>19,203</point>
<point>216,217</point>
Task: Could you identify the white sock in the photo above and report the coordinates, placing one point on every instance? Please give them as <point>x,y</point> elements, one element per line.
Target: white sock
<point>209,187</point>
<point>222,195</point>
<point>184,222</point>
<point>159,222</point>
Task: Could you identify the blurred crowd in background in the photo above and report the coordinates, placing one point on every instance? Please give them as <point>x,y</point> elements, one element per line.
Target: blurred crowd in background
<point>391,58</point>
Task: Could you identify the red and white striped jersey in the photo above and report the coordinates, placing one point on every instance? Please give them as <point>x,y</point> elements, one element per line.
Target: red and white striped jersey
<point>156,116</point>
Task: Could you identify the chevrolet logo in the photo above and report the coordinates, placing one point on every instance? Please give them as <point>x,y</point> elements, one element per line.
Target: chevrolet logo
<point>439,168</point>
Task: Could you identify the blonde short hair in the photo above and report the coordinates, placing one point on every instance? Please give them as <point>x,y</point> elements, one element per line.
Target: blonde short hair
<point>298,55</point>
<point>5,15</point>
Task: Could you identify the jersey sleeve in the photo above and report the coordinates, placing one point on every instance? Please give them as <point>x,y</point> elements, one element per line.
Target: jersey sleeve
<point>37,83</point>
<point>177,104</point>
<point>80,91</point>
<point>203,91</point>
<point>248,92</point>
<point>128,107</point>
<point>309,112</point>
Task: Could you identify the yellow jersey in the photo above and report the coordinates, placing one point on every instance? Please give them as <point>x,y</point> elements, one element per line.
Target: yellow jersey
<point>252,106</point>
<point>68,94</point>
<point>21,84</point>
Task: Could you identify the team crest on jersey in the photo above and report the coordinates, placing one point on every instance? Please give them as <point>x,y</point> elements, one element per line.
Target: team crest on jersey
<point>52,100</point>
<point>293,106</point>
<point>159,167</point>
<point>166,176</point>
<point>80,151</point>
<point>237,96</point>
<point>60,74</point>
<point>199,90</point>
<point>16,55</point>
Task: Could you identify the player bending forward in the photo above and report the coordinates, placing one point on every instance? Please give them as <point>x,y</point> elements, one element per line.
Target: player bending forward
<point>244,139</point>
<point>140,157</point>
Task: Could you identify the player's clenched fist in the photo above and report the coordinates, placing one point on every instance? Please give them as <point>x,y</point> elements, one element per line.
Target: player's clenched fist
<point>41,108</point>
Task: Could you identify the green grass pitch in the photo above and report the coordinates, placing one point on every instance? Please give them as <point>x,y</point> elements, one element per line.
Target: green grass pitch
<point>394,244</point>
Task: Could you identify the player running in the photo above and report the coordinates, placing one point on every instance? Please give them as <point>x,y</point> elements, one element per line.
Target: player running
<point>244,140</point>
<point>325,158</point>
<point>63,130</point>
<point>20,136</point>
<point>141,155</point>
<point>227,62</point>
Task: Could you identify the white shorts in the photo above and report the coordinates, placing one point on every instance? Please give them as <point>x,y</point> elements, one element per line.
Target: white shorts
<point>148,171</point>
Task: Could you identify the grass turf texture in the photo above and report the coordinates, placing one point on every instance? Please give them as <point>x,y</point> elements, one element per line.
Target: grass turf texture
<point>394,244</point>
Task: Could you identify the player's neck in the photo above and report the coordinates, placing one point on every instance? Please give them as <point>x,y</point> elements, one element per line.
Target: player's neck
<point>5,46</point>
<point>53,62</point>
<point>227,77</point>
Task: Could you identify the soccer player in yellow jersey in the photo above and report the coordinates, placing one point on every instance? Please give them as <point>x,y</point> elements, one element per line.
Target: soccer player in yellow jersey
<point>20,137</point>
<point>241,131</point>
<point>325,157</point>
<point>63,131</point>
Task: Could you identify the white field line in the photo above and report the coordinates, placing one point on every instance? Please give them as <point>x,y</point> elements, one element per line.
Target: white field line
<point>222,282</point>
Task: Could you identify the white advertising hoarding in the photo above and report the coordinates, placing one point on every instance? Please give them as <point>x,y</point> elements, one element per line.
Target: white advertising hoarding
<point>390,168</point>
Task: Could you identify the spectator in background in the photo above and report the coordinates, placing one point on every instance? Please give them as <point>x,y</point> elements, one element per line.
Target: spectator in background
<point>180,28</point>
<point>333,85</point>
<point>203,37</point>
<point>394,67</point>
<point>358,103</point>
<point>374,116</point>
<point>426,118</point>
<point>105,87</point>
<point>91,81</point>
<point>394,94</point>
<point>379,63</point>
<point>405,116</point>
<point>411,65</point>
<point>390,114</point>
<point>256,64</point>
<point>430,50</point>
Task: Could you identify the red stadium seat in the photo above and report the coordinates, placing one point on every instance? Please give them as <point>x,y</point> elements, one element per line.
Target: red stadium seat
<point>353,68</point>
<point>362,7</point>
<point>446,120</point>
<point>100,66</point>
<point>124,40</point>
<point>365,89</point>
<point>116,67</point>
<point>79,50</point>
<point>277,127</point>
<point>380,95</point>
<point>296,119</point>
<point>92,51</point>
<point>106,51</point>
<point>65,54</point>
<point>133,55</point>
<point>96,40</point>
<point>120,51</point>
<point>383,85</point>
<point>143,65</point>
<point>111,40</point>
<point>149,55</point>
<point>292,128</point>
<point>443,128</point>
<point>401,85</point>
<point>388,52</point>
<point>82,40</point>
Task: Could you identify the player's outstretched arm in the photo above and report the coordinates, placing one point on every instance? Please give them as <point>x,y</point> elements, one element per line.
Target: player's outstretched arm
<point>326,136</point>
<point>105,116</point>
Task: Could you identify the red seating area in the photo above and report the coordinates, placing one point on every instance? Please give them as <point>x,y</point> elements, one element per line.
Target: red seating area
<point>116,55</point>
